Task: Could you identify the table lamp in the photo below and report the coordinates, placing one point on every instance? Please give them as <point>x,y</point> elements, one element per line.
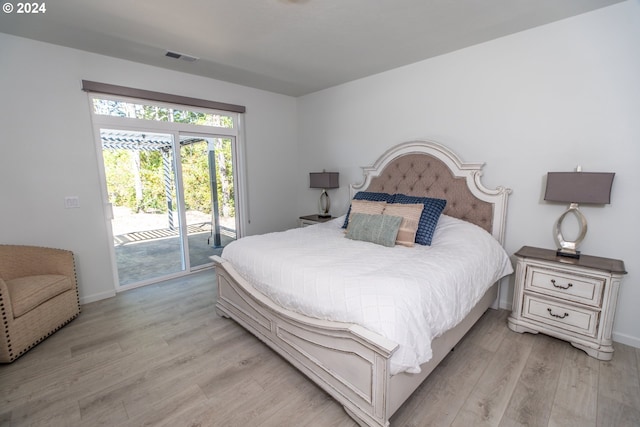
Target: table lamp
<point>576,188</point>
<point>323,180</point>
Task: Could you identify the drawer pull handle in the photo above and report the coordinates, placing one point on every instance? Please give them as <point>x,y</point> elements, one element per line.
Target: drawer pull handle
<point>553,282</point>
<point>559,316</point>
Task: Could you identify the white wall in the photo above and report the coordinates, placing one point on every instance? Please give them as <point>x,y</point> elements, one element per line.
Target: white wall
<point>542,100</point>
<point>47,150</point>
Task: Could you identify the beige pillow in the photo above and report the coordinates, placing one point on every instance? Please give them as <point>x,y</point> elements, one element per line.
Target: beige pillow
<point>410,214</point>
<point>366,207</point>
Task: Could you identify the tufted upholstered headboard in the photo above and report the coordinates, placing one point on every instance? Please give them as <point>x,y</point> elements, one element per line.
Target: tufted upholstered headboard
<point>425,168</point>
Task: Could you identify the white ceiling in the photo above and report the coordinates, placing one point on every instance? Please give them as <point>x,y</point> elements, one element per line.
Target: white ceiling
<point>293,47</point>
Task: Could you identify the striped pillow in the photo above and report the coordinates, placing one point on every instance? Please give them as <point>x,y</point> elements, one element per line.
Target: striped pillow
<point>410,214</point>
<point>365,207</point>
<point>367,195</point>
<point>378,229</point>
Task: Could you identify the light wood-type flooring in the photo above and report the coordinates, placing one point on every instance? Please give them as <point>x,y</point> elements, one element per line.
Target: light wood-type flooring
<point>160,356</point>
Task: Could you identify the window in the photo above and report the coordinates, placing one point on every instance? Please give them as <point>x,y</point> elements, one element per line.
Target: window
<point>157,112</point>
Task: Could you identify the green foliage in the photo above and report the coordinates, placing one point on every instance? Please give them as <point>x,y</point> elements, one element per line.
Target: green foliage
<point>195,176</point>
<point>135,179</point>
<point>224,177</point>
<point>140,188</point>
<point>119,177</point>
<point>153,187</point>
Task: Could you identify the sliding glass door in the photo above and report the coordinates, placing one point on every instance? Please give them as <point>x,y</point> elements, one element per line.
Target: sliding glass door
<point>167,219</point>
<point>170,184</point>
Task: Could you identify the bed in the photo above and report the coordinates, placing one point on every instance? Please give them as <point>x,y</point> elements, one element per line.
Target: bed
<point>358,362</point>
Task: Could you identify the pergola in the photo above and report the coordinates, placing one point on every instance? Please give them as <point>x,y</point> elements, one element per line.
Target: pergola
<point>149,141</point>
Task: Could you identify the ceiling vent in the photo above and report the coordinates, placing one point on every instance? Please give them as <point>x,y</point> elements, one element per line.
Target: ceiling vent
<point>177,55</point>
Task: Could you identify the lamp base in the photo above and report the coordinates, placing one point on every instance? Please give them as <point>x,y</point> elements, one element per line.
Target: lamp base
<point>568,248</point>
<point>568,254</point>
<point>324,204</point>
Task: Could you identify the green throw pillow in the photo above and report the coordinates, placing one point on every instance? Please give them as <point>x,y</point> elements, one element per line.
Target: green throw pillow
<point>379,229</point>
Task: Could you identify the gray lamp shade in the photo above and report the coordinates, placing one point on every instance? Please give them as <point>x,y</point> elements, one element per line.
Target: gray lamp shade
<point>323,180</point>
<point>579,187</point>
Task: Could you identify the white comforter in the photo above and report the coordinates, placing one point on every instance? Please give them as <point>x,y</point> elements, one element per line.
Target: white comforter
<point>408,295</point>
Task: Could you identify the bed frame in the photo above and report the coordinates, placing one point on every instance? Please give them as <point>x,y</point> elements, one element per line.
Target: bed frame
<point>346,360</point>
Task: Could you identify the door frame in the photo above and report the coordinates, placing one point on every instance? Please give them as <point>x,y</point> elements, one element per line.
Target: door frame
<point>176,129</point>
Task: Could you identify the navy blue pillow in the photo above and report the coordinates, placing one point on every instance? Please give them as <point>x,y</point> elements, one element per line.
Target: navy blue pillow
<point>370,196</point>
<point>429,218</point>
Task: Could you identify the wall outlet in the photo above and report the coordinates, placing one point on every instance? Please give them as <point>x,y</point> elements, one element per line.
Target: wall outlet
<point>71,202</point>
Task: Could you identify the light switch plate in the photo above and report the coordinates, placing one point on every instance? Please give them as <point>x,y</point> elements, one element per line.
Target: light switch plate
<point>71,202</point>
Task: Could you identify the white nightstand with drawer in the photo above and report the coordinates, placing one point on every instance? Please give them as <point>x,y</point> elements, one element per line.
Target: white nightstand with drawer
<point>571,299</point>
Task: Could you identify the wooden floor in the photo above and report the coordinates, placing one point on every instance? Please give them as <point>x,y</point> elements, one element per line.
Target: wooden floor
<point>160,356</point>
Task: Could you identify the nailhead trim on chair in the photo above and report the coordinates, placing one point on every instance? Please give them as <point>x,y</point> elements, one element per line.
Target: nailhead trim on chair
<point>5,324</point>
<point>75,276</point>
<point>38,341</point>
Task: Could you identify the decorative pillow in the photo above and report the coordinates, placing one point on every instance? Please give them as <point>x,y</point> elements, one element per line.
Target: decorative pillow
<point>364,207</point>
<point>410,214</point>
<point>368,195</point>
<point>379,229</point>
<point>429,218</point>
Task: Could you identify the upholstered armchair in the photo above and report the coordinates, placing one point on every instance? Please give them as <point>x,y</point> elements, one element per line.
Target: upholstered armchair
<point>38,296</point>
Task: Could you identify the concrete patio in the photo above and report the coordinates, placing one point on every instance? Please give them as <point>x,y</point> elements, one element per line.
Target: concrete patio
<point>159,255</point>
<point>146,247</point>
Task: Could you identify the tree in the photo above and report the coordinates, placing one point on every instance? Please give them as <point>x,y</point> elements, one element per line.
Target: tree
<point>136,176</point>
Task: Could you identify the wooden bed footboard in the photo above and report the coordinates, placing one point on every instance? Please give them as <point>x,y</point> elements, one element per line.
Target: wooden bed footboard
<point>347,361</point>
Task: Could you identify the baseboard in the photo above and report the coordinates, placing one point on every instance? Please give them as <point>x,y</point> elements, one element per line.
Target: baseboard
<point>506,305</point>
<point>626,339</point>
<point>97,297</point>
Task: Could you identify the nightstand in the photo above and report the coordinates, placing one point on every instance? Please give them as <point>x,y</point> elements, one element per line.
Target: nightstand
<point>314,219</point>
<point>571,299</point>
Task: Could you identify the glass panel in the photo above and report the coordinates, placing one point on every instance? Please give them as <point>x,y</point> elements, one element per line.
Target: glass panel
<point>207,175</point>
<point>141,183</point>
<point>107,107</point>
